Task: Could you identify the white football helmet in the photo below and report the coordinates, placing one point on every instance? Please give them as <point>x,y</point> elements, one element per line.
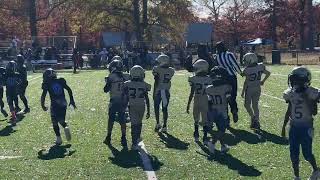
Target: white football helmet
<point>250,58</point>
<point>137,72</point>
<point>163,60</point>
<point>201,66</point>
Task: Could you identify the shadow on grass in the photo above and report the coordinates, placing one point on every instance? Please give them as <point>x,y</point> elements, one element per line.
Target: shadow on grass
<point>246,136</point>
<point>7,131</point>
<point>230,161</point>
<point>273,137</point>
<point>131,159</point>
<point>172,142</point>
<point>56,152</point>
<point>229,139</point>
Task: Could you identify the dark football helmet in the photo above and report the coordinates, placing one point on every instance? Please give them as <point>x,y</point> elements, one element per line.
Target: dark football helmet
<point>299,78</point>
<point>11,67</point>
<point>116,66</point>
<point>49,74</point>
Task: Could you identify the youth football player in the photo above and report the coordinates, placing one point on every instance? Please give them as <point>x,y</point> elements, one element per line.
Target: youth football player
<point>22,71</point>
<point>302,101</point>
<point>136,90</point>
<point>251,91</point>
<point>163,74</point>
<point>12,83</point>
<point>55,87</point>
<point>219,93</point>
<point>2,83</point>
<point>199,83</point>
<point>117,105</point>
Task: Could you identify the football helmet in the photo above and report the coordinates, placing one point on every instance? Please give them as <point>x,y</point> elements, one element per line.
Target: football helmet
<point>11,67</point>
<point>163,60</point>
<point>116,66</point>
<point>20,59</point>
<point>250,58</point>
<point>219,75</point>
<point>49,74</point>
<point>137,72</point>
<point>201,66</point>
<point>299,78</point>
<point>116,58</point>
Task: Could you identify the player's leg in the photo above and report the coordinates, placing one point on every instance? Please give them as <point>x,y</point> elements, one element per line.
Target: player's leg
<point>54,119</point>
<point>16,103</point>
<point>157,102</point>
<point>196,117</point>
<point>63,123</point>
<point>255,107</point>
<point>165,97</point>
<point>3,111</point>
<point>111,119</point>
<point>233,99</point>
<point>24,99</point>
<point>122,121</point>
<point>136,125</point>
<point>10,101</point>
<point>306,145</point>
<point>294,142</point>
<point>247,105</point>
<point>206,125</point>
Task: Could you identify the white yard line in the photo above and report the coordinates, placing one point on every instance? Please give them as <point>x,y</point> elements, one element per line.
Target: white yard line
<point>148,169</point>
<point>9,157</point>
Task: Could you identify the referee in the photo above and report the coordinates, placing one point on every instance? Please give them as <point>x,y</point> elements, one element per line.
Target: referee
<point>228,61</point>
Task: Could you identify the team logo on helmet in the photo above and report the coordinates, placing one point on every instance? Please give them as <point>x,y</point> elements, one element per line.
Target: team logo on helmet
<point>201,66</point>
<point>137,72</point>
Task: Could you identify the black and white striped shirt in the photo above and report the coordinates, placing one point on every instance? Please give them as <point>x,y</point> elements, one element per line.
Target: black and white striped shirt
<point>228,61</point>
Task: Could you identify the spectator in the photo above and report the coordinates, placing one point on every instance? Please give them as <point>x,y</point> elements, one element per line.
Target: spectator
<point>228,61</point>
<point>75,60</point>
<point>104,56</point>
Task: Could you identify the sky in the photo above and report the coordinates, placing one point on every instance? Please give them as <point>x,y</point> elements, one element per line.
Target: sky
<point>201,11</point>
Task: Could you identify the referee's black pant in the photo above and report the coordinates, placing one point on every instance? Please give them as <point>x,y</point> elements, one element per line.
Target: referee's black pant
<point>233,100</point>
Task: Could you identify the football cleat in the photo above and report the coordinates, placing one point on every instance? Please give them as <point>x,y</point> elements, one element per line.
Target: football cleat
<point>297,178</point>
<point>135,147</point>
<point>157,128</point>
<point>235,117</point>
<point>224,148</point>
<point>58,141</point>
<point>205,141</point>
<point>201,66</point>
<point>26,110</point>
<point>67,133</point>
<point>164,129</point>
<point>315,175</point>
<point>250,58</point>
<point>211,147</point>
<point>137,72</point>
<point>163,60</point>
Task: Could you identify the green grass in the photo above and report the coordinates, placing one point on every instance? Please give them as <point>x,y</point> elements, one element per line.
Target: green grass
<point>173,157</point>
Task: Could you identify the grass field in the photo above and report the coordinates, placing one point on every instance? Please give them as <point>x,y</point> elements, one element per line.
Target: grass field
<point>173,156</point>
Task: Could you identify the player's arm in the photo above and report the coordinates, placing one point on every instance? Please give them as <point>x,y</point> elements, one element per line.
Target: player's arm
<point>244,89</point>
<point>155,85</point>
<point>148,105</point>
<point>125,95</point>
<point>286,120</point>
<point>190,98</point>
<point>107,87</point>
<point>267,75</point>
<point>43,99</point>
<point>72,103</point>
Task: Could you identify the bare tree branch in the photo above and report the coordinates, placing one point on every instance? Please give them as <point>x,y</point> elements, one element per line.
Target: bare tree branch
<point>56,5</point>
